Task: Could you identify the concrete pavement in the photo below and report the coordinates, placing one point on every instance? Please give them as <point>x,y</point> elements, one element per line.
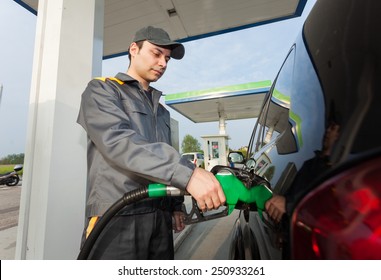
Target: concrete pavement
<point>8,239</point>
<point>8,243</point>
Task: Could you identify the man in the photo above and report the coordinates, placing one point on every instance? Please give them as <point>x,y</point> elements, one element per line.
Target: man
<point>129,147</point>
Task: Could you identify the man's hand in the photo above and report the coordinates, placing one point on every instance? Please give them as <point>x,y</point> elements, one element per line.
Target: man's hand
<point>178,221</point>
<point>206,190</point>
<point>276,207</point>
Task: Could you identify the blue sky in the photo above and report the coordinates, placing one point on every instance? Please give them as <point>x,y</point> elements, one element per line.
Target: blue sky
<point>248,55</point>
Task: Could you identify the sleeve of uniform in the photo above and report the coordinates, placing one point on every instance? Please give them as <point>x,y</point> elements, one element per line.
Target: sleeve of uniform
<point>109,127</point>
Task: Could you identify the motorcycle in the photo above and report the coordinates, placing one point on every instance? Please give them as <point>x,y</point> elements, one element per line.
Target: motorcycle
<point>11,178</point>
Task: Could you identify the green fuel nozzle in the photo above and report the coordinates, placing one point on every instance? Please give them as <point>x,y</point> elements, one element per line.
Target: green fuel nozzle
<point>231,180</point>
<point>235,191</point>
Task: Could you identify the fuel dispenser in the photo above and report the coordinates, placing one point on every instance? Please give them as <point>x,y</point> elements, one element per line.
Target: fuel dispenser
<point>215,150</point>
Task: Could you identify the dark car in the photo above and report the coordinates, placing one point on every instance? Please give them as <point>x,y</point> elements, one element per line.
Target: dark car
<point>316,142</point>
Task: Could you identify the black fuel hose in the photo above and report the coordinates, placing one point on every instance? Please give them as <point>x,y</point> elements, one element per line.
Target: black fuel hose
<point>128,198</point>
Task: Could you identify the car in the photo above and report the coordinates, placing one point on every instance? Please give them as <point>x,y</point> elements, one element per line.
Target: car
<point>316,143</point>
<point>195,157</point>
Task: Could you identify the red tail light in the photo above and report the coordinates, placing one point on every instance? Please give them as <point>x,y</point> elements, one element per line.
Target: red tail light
<point>341,219</point>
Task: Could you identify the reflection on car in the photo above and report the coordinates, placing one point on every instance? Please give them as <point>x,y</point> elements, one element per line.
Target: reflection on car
<point>316,142</point>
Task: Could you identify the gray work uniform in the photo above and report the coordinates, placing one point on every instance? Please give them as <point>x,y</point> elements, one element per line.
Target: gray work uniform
<point>128,146</point>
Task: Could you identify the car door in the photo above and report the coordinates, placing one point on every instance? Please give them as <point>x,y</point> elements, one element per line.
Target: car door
<point>288,130</point>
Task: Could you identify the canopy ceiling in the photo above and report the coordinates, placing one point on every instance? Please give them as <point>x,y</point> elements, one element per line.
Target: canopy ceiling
<point>187,20</point>
<point>184,20</point>
<point>241,101</point>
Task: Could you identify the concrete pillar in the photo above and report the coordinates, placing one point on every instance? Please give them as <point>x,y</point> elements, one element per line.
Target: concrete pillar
<point>222,126</point>
<point>68,52</point>
<point>1,92</point>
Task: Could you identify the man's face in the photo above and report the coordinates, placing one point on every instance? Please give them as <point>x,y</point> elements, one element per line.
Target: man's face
<point>149,62</point>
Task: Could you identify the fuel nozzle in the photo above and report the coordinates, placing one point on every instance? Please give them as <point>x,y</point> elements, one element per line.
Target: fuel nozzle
<point>236,193</point>
<point>234,189</point>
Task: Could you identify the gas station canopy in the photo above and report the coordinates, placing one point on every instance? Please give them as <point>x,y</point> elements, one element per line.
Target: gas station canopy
<point>229,103</point>
<point>184,20</point>
<point>96,28</point>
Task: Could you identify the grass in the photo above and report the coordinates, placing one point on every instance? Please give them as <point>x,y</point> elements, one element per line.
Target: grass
<point>5,168</point>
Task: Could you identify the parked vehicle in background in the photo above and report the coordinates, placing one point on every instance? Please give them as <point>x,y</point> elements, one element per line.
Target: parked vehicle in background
<point>196,158</point>
<point>11,178</point>
<point>316,142</point>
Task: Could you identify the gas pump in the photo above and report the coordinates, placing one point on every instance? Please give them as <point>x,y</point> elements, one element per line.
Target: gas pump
<point>215,150</point>
<point>242,191</point>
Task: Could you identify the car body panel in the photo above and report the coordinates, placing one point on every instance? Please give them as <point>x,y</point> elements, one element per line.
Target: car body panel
<point>320,117</point>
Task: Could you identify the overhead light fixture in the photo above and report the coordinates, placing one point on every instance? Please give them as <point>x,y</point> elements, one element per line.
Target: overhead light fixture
<point>172,12</point>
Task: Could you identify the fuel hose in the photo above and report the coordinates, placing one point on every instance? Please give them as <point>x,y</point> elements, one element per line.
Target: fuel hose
<point>152,191</point>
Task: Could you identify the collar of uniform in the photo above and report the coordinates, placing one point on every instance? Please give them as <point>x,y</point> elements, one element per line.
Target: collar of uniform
<point>126,78</point>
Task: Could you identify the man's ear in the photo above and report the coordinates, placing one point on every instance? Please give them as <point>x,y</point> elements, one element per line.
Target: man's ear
<point>133,49</point>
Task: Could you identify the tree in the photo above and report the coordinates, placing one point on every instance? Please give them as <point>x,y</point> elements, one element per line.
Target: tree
<point>190,144</point>
<point>12,159</point>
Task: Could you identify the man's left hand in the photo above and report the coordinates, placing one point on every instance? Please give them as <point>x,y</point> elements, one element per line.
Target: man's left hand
<point>178,221</point>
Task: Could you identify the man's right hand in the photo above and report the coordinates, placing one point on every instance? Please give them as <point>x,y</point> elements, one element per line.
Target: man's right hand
<point>205,189</point>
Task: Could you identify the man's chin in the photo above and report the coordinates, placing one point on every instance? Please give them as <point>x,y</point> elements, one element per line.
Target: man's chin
<point>155,79</point>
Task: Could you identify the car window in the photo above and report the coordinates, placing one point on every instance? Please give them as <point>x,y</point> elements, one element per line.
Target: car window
<point>275,122</point>
<point>290,126</point>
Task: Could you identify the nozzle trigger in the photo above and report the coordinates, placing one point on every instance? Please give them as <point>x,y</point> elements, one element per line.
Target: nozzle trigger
<point>197,216</point>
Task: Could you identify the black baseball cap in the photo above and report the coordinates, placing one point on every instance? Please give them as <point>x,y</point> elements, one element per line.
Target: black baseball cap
<point>160,37</point>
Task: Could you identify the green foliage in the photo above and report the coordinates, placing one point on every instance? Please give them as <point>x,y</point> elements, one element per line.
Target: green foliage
<point>9,168</point>
<point>13,159</point>
<point>243,151</point>
<point>6,168</point>
<point>190,144</point>
<point>8,163</point>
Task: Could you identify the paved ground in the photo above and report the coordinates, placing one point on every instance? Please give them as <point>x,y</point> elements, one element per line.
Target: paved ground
<point>207,240</point>
<point>9,213</point>
<point>8,243</point>
<point>9,206</point>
